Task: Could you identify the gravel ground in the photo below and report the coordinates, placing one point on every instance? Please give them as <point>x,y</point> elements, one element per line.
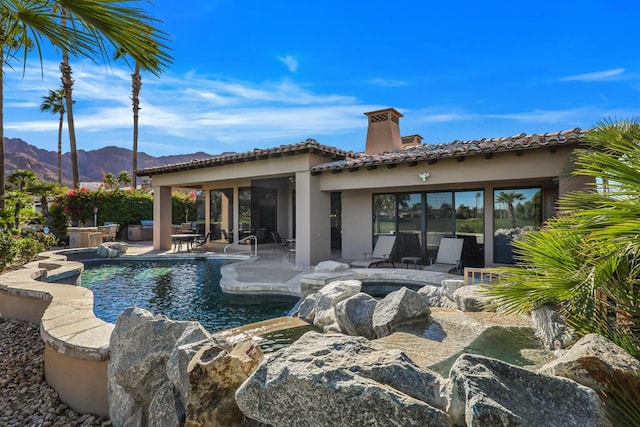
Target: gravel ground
<point>25,397</point>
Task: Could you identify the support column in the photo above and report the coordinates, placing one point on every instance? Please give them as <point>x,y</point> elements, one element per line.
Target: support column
<point>162,218</point>
<point>207,211</point>
<point>236,214</point>
<point>488,226</point>
<point>313,220</point>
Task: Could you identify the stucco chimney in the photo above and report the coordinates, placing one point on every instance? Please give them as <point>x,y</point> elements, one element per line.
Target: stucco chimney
<point>411,141</point>
<point>383,133</point>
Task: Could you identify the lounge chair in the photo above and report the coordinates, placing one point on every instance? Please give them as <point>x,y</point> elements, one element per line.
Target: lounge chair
<point>381,253</point>
<point>448,257</point>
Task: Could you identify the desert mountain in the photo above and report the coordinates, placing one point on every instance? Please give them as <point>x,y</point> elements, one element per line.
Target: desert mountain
<point>92,164</point>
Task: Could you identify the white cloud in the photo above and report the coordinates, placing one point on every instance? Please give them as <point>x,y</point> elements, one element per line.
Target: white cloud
<point>598,76</point>
<point>290,62</point>
<point>177,111</point>
<point>387,82</point>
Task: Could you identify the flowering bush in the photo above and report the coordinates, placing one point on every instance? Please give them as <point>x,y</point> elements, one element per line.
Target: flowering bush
<point>123,207</point>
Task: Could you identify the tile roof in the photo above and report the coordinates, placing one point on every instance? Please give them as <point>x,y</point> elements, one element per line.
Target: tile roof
<point>353,161</point>
<point>310,146</point>
<point>455,149</point>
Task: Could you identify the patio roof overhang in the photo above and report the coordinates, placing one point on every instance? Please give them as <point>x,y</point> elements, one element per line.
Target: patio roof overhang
<point>309,146</point>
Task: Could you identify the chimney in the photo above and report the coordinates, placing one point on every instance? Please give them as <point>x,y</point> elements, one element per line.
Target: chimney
<point>383,133</point>
<point>411,141</point>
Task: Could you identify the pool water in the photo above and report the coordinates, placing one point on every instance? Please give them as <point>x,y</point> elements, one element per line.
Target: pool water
<point>497,342</point>
<point>179,289</point>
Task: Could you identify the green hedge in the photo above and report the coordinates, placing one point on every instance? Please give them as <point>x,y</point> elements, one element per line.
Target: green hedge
<point>123,207</point>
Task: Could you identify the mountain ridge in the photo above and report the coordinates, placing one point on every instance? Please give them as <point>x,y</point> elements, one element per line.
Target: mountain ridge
<point>92,164</point>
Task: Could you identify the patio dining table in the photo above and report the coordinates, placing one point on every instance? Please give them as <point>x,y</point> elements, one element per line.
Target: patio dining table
<point>187,238</point>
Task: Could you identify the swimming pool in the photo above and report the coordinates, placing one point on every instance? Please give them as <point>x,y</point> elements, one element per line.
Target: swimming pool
<point>179,289</point>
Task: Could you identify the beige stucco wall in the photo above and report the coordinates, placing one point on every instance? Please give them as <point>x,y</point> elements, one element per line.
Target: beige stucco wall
<point>80,383</point>
<point>538,167</point>
<point>357,223</point>
<point>313,222</point>
<point>509,169</point>
<point>250,170</point>
<point>531,168</point>
<point>162,218</point>
<point>16,307</point>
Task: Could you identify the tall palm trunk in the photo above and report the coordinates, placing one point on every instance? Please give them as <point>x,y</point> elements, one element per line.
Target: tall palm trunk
<point>136,84</point>
<point>2,128</point>
<point>60,148</point>
<point>67,84</point>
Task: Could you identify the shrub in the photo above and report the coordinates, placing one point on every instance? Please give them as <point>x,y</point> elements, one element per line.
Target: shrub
<point>7,249</point>
<point>16,250</point>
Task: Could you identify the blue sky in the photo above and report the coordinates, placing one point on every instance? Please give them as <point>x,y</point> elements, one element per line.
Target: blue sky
<point>257,74</point>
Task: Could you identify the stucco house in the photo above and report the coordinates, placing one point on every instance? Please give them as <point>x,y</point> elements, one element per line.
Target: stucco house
<point>337,202</point>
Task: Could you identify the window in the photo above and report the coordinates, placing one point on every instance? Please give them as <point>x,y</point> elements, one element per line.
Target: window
<point>515,211</point>
<point>432,216</point>
<point>384,214</point>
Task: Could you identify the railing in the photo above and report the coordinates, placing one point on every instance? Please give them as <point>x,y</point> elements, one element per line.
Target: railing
<point>253,245</point>
<point>474,276</point>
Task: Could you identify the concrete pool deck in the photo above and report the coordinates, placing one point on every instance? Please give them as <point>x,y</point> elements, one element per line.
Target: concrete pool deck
<point>273,273</point>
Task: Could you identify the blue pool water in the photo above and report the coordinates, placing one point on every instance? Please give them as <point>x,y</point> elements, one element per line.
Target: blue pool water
<point>179,289</point>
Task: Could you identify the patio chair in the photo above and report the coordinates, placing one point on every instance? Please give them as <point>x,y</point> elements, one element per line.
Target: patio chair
<point>448,257</point>
<point>200,242</point>
<point>278,242</point>
<point>381,253</point>
<point>227,236</point>
<point>108,232</point>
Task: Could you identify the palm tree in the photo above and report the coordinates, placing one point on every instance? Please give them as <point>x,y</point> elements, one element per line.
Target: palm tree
<point>87,29</point>
<point>44,189</point>
<point>20,179</point>
<point>124,178</point>
<point>591,248</point>
<point>110,182</point>
<point>136,85</point>
<point>54,103</point>
<point>508,198</point>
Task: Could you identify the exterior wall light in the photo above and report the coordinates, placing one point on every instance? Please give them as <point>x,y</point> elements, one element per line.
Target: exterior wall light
<point>423,176</point>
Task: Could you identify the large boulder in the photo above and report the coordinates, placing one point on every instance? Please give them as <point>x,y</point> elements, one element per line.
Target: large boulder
<point>181,357</point>
<point>551,328</point>
<point>139,349</point>
<point>488,392</point>
<point>330,267</point>
<point>355,315</point>
<point>401,307</point>
<point>434,297</point>
<point>168,373</point>
<point>214,375</point>
<point>307,308</point>
<point>470,298</point>
<point>329,296</point>
<point>327,380</point>
<point>112,249</point>
<point>598,363</point>
<point>449,286</point>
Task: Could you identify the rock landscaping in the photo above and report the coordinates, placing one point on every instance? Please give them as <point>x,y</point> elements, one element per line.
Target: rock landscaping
<point>25,396</point>
<point>171,373</point>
